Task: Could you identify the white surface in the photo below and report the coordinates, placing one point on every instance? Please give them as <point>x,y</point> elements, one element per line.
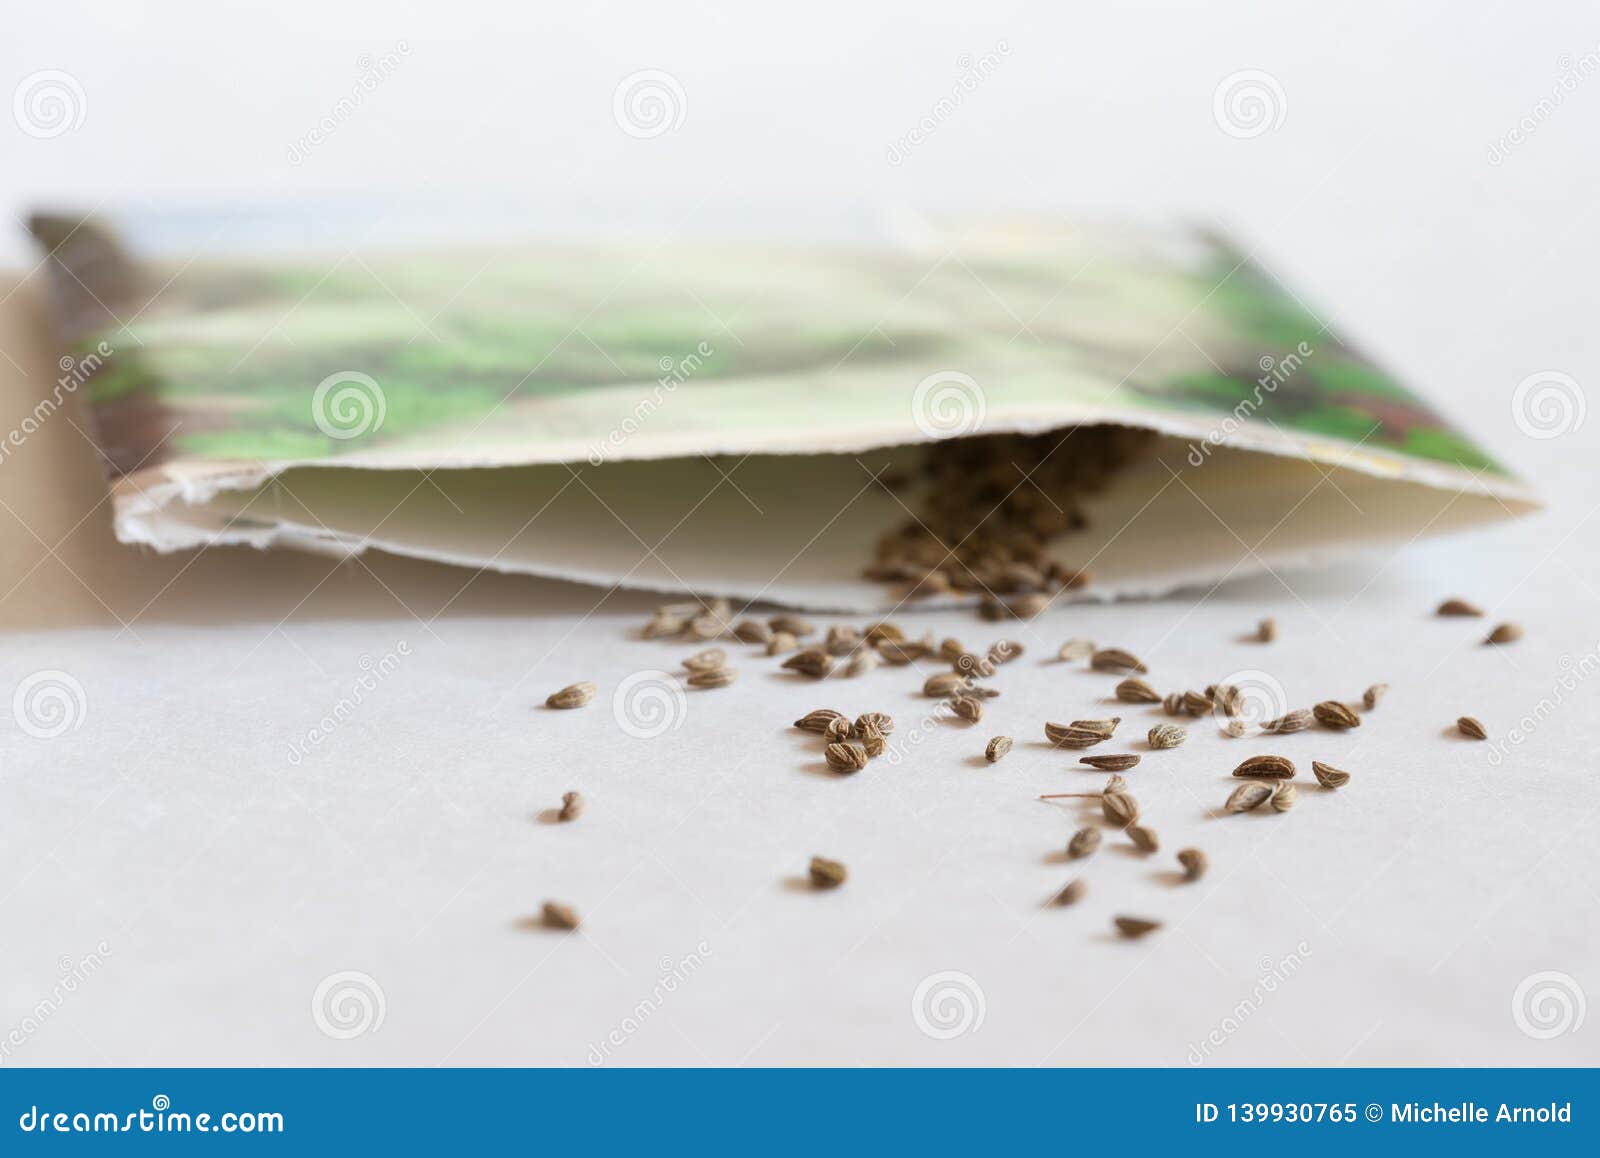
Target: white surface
<point>228,882</point>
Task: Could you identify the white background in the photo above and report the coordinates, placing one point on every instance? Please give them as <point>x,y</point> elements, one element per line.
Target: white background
<point>227,883</point>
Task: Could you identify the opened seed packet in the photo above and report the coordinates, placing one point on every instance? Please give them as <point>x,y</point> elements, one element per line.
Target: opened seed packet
<point>998,411</point>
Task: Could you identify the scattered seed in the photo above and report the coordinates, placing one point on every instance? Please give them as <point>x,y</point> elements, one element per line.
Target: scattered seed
<point>1119,763</point>
<point>997,748</point>
<point>900,652</point>
<point>1167,736</point>
<point>708,626</point>
<point>1471,727</point>
<point>1005,651</point>
<point>943,684</point>
<point>1296,721</point>
<point>882,721</point>
<point>841,640</point>
<point>1196,703</point>
<point>1505,633</point>
<point>951,649</point>
<point>1266,768</point>
<point>838,731</point>
<point>872,742</point>
<point>717,677</point>
<point>1135,691</point>
<point>1372,695</point>
<point>968,708</point>
<point>818,720</point>
<point>1064,736</point>
<point>978,691</point>
<point>1115,783</point>
<point>665,626</point>
<point>971,664</point>
<point>1333,714</point>
<point>1144,839</point>
<point>571,806</point>
<point>559,916</point>
<point>1076,649</point>
<point>1103,727</point>
<point>846,758</point>
<point>1194,863</point>
<point>752,631</point>
<point>1073,893</point>
<point>827,874</point>
<point>781,643</point>
<point>1173,704</point>
<point>884,633</point>
<point>1235,728</point>
<point>1267,631</point>
<point>1135,927</point>
<point>1459,607</point>
<point>1248,796</point>
<point>1083,843</point>
<point>792,624</point>
<point>1115,659</point>
<point>572,696</point>
<point>1283,799</point>
<point>1328,776</point>
<point>862,662</point>
<point>1120,808</point>
<point>813,662</point>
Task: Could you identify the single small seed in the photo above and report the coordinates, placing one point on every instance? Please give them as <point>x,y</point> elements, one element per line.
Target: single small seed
<point>1167,736</point>
<point>571,806</point>
<point>943,684</point>
<point>559,916</point>
<point>1103,728</point>
<point>1196,703</point>
<point>1459,607</point>
<point>792,624</point>
<point>665,626</point>
<point>1115,783</point>
<point>717,677</point>
<point>882,721</point>
<point>838,731</point>
<point>900,652</point>
<point>708,626</point>
<point>1266,768</point>
<point>846,758</point>
<point>1083,843</point>
<point>1328,776</point>
<point>1194,863</point>
<point>752,631</point>
<point>827,874</point>
<point>968,708</point>
<point>1073,893</point>
<point>951,650</point>
<point>1283,799</point>
<point>1115,659</point>
<point>1005,651</point>
<point>1120,808</point>
<point>1135,691</point>
<point>1267,630</point>
<point>813,662</point>
<point>872,742</point>
<point>884,633</point>
<point>1076,649</point>
<point>1135,927</point>
<point>842,640</point>
<point>1248,796</point>
<point>1372,695</point>
<point>971,664</point>
<point>1144,839</point>
<point>572,696</point>
<point>1333,714</point>
<point>781,643</point>
<point>1471,727</point>
<point>818,720</point>
<point>1029,606</point>
<point>1296,721</point>
<point>1505,633</point>
<point>1073,737</point>
<point>1227,697</point>
<point>1235,728</point>
<point>1119,763</point>
<point>862,662</point>
<point>980,692</point>
<point>997,748</point>
<point>1173,704</point>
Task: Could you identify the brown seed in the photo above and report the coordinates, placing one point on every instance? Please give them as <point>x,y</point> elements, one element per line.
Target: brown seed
<point>862,662</point>
<point>1194,863</point>
<point>1328,776</point>
<point>846,758</point>
<point>1236,728</point>
<point>1248,796</point>
<point>1459,607</point>
<point>813,662</point>
<point>900,652</point>
<point>708,626</point>
<point>792,624</point>
<point>781,643</point>
<point>997,749</point>
<point>882,721</point>
<point>1076,649</point>
<point>1115,659</point>
<point>1283,799</point>
<point>1266,768</point>
<point>1267,630</point>
<point>839,730</point>
<point>818,720</point>
<point>1073,893</point>
<point>1103,728</point>
<point>1226,697</point>
<point>884,633</point>
<point>842,640</point>
<point>1173,704</point>
<point>1135,927</point>
<point>1372,695</point>
<point>1333,714</point>
<point>973,665</point>
<point>665,626</point>
<point>1029,606</point>
<point>943,684</point>
<point>1505,633</point>
<point>571,806</point>
<point>1471,727</point>
<point>559,916</point>
<point>1072,737</point>
<point>827,874</point>
<point>1120,808</point>
<point>1167,736</point>
<point>968,708</point>
<point>1005,651</point>
<point>1196,703</point>
<point>717,677</point>
<point>1296,721</point>
<point>1115,783</point>
<point>752,631</point>
<point>1119,763</point>
<point>572,696</point>
<point>980,692</point>
<point>951,650</point>
<point>872,742</point>
<point>1144,839</point>
<point>1135,691</point>
<point>1083,843</point>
